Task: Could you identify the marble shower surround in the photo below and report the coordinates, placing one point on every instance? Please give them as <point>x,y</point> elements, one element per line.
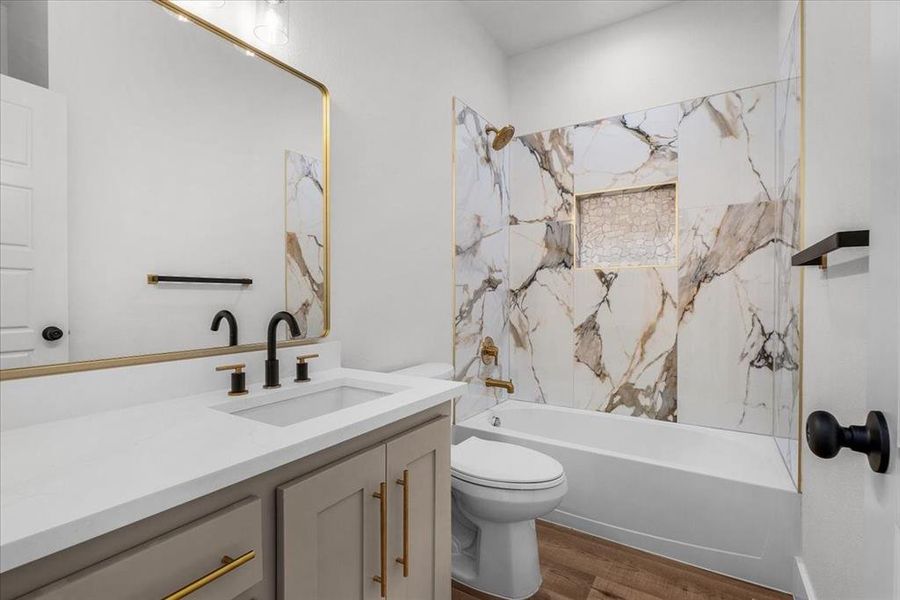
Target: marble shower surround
<point>709,339</point>
<point>305,243</point>
<point>697,341</point>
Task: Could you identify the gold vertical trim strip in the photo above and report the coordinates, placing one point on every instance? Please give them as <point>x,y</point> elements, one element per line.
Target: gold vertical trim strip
<point>453,246</point>
<point>142,359</point>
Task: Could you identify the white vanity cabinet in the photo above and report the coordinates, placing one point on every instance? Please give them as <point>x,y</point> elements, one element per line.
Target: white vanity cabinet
<point>375,525</point>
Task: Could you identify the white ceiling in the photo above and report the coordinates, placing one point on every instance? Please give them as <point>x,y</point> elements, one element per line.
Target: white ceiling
<point>521,25</point>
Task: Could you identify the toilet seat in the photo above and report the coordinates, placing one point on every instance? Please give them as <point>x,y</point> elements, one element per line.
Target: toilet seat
<point>504,466</point>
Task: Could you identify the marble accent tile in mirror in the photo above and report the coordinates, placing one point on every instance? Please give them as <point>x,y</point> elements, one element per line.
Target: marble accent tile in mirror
<point>305,242</point>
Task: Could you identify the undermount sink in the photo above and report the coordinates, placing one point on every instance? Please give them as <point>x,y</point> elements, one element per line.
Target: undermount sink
<point>289,405</point>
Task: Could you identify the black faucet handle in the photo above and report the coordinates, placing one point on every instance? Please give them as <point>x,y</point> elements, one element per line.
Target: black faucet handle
<point>238,378</point>
<point>303,367</point>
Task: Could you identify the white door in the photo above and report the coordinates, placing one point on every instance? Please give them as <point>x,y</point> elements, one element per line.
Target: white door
<point>882,493</point>
<point>33,225</point>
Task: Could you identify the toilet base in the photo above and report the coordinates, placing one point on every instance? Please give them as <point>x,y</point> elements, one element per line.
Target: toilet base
<point>500,559</point>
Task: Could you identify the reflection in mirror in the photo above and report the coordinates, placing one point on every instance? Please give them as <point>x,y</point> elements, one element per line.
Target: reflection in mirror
<point>137,144</point>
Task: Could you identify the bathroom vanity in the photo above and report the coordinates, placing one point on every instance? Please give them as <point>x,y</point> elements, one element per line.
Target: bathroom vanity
<point>334,488</point>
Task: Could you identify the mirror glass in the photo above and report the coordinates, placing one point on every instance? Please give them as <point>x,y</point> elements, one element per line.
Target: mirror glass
<point>138,146</point>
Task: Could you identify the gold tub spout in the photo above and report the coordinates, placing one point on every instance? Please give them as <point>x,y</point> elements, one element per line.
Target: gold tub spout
<point>500,383</point>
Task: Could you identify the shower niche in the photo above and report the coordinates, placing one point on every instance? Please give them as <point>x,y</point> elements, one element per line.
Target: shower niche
<point>627,227</point>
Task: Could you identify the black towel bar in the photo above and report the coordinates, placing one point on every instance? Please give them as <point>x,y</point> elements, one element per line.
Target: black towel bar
<point>153,279</point>
<point>815,254</point>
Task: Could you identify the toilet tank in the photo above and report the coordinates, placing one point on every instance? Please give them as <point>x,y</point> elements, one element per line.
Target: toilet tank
<point>432,370</point>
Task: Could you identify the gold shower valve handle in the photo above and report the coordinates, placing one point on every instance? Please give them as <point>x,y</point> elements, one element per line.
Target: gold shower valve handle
<point>489,351</point>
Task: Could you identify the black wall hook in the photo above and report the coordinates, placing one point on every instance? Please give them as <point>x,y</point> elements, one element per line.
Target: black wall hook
<point>826,437</point>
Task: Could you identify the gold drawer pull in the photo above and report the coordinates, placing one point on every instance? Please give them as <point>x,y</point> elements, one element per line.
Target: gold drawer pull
<point>404,560</point>
<point>228,565</point>
<point>381,495</point>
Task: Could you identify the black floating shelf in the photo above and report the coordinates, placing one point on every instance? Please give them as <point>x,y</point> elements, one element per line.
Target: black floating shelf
<point>153,279</point>
<point>816,254</point>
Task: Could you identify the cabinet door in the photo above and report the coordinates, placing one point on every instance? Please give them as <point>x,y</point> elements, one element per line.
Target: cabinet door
<point>330,531</point>
<point>424,455</point>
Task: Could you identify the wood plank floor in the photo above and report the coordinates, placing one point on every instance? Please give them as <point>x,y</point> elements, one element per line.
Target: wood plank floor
<point>577,566</point>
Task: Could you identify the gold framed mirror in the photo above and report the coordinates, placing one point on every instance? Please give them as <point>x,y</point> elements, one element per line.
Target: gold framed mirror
<point>164,173</point>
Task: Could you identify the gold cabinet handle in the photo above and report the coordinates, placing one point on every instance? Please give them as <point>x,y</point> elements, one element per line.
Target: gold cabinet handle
<point>404,560</point>
<point>381,494</point>
<point>228,565</point>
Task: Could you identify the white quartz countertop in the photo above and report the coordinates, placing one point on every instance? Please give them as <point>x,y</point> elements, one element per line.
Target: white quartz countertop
<point>65,482</point>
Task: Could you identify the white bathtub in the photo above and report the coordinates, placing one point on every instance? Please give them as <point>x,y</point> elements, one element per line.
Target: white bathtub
<point>721,500</point>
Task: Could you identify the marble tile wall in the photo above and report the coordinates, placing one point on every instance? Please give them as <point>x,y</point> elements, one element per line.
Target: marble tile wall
<point>727,232</point>
<point>481,257</point>
<point>709,336</point>
<point>695,341</point>
<point>305,243</point>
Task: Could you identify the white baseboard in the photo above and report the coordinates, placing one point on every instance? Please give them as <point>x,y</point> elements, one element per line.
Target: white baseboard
<point>803,589</point>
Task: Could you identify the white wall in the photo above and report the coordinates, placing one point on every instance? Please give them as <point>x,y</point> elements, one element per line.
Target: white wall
<point>392,69</point>
<point>834,343</point>
<point>683,50</point>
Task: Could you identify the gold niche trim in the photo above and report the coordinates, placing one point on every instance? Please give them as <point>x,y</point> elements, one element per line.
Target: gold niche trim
<point>143,359</point>
<point>576,198</point>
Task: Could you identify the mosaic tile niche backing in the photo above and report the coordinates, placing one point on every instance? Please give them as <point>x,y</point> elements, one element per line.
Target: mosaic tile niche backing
<point>627,228</point>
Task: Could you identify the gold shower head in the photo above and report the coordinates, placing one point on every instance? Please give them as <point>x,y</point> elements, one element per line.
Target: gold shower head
<point>502,136</point>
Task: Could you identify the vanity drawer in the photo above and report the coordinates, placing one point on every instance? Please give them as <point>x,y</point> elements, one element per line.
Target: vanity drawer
<point>169,564</point>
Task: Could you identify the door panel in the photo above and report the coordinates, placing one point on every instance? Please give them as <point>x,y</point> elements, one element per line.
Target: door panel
<point>33,224</point>
<point>425,454</point>
<point>329,531</point>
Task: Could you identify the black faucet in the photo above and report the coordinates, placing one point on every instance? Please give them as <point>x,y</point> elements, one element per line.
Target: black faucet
<point>232,325</point>
<point>271,361</point>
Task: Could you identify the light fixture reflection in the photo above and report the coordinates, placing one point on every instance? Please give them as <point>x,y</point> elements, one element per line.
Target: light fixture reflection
<point>272,22</point>
<point>202,4</point>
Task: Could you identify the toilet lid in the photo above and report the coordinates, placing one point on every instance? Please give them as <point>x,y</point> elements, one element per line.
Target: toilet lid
<point>492,463</point>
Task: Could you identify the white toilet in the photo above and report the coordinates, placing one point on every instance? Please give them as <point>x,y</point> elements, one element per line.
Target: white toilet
<point>498,489</point>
